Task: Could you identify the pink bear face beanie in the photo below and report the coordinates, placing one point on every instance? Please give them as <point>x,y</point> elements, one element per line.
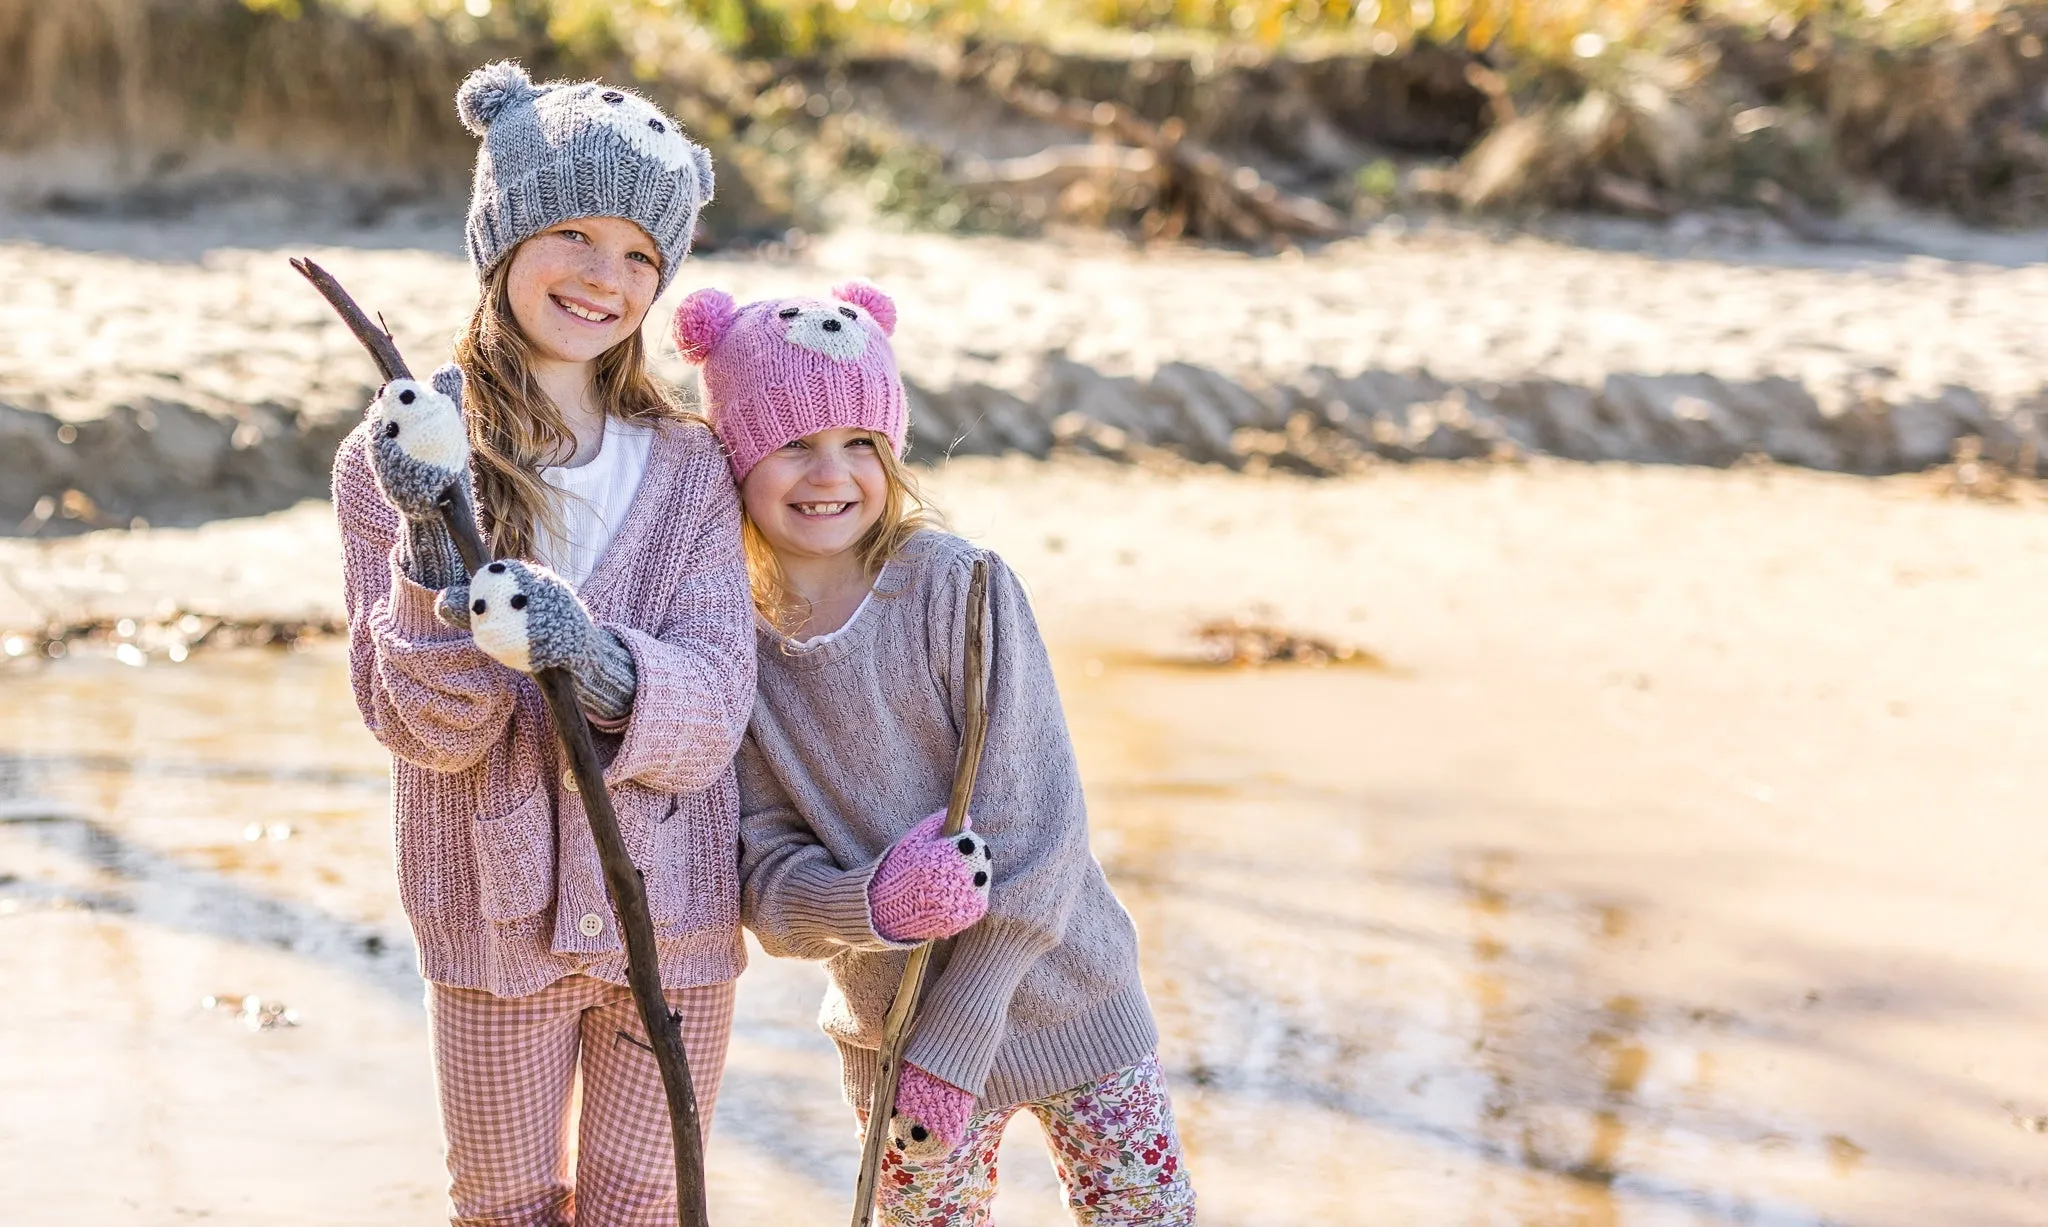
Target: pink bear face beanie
<point>784,368</point>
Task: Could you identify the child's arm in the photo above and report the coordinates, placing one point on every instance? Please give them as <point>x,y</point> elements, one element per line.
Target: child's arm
<point>1028,805</point>
<point>793,894</point>
<point>695,681</point>
<point>424,689</point>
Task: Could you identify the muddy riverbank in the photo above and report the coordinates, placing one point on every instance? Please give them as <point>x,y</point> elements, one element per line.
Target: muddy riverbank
<point>1677,863</point>
<point>179,372</point>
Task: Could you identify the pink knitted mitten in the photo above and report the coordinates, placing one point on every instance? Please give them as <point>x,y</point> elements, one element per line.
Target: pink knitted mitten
<point>930,886</point>
<point>931,1115</point>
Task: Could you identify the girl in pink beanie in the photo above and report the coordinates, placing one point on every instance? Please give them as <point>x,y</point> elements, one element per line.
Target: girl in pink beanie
<point>860,603</point>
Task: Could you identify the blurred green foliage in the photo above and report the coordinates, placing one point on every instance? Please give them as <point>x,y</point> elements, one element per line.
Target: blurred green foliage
<point>734,71</point>
<point>1539,30</point>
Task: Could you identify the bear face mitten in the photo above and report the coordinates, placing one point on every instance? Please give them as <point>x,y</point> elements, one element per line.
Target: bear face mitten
<point>929,884</point>
<point>418,446</point>
<point>931,1116</point>
<point>528,618</point>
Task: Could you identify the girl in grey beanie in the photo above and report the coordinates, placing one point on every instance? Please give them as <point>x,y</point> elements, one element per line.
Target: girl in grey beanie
<point>576,149</point>
<point>612,514</point>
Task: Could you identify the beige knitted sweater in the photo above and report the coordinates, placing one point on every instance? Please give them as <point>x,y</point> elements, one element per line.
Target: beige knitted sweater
<point>851,743</point>
<point>496,866</point>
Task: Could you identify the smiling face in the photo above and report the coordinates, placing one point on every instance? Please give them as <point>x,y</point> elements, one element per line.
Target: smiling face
<point>815,498</point>
<point>581,287</point>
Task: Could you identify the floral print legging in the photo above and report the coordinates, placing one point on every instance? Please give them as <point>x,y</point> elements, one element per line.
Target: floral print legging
<point>1113,1145</point>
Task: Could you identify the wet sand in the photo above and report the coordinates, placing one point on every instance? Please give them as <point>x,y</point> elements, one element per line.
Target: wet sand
<point>177,371</point>
<point>207,311</point>
<point>1679,864</point>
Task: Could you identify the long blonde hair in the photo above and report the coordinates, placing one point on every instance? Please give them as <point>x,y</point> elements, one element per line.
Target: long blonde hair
<point>514,427</point>
<point>905,513</point>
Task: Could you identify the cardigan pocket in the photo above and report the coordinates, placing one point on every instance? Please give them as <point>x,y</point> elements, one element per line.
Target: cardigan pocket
<point>694,876</point>
<point>667,864</point>
<point>515,860</point>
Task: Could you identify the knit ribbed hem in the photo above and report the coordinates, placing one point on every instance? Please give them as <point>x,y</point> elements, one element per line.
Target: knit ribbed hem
<point>426,553</point>
<point>512,960</point>
<point>827,905</point>
<point>681,726</point>
<point>1117,1033</point>
<point>965,1012</point>
<point>606,679</point>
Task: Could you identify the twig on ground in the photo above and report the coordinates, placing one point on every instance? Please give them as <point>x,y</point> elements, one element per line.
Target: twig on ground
<point>1204,194</point>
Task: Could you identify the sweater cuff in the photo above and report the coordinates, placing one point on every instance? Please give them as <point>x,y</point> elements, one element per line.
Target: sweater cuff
<point>605,679</point>
<point>831,905</point>
<point>965,1013</point>
<point>412,609</point>
<point>426,553</point>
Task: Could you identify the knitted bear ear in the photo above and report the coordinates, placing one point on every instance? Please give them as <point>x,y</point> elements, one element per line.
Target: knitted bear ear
<point>878,304</point>
<point>486,93</point>
<point>447,380</point>
<point>701,320</point>
<point>700,158</point>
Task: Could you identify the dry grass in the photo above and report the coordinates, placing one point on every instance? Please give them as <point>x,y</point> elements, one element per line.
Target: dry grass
<point>1528,30</point>
<point>1636,105</point>
<point>161,97</point>
<point>1538,30</point>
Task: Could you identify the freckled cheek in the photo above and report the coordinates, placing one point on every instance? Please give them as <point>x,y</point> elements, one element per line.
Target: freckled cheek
<point>874,487</point>
<point>534,268</point>
<point>529,310</point>
<point>640,282</point>
<point>528,288</point>
<point>765,492</point>
<point>636,309</point>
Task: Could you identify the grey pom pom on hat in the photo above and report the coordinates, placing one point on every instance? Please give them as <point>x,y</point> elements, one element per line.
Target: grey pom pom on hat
<point>569,149</point>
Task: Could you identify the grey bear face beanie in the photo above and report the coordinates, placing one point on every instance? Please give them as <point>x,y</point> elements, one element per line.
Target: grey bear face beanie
<point>571,149</point>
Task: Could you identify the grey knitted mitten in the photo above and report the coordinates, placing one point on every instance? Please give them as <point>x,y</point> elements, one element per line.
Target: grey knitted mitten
<point>418,447</point>
<point>527,617</point>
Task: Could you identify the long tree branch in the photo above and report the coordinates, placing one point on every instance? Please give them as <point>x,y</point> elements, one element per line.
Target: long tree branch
<point>902,1016</point>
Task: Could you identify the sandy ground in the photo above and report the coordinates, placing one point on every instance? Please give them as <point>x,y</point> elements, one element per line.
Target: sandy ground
<point>1680,865</point>
<point>207,312</point>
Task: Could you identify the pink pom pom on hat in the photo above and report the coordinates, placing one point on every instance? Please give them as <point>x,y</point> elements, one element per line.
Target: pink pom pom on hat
<point>783,368</point>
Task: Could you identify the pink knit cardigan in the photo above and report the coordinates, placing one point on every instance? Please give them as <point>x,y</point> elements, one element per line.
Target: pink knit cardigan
<point>496,866</point>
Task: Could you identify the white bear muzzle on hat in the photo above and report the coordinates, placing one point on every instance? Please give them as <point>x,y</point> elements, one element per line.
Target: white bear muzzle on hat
<point>571,149</point>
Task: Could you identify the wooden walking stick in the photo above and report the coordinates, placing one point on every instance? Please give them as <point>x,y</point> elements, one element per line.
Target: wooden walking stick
<point>621,877</point>
<point>896,1025</point>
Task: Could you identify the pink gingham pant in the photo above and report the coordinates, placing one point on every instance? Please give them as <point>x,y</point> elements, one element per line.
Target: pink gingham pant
<point>506,1066</point>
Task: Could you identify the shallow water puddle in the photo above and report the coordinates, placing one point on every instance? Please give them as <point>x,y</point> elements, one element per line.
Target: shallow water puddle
<point>232,784</point>
<point>1394,990</point>
<point>1405,973</point>
<point>213,1013</point>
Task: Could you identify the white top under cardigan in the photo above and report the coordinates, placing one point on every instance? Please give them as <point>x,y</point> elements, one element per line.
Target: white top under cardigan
<point>594,498</point>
